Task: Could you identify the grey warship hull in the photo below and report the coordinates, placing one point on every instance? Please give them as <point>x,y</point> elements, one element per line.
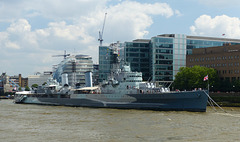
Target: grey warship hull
<point>170,101</point>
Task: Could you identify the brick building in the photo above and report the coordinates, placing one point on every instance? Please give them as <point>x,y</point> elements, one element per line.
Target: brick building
<point>225,59</point>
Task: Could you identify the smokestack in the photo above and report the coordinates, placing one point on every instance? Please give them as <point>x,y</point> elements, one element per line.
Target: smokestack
<point>88,79</point>
<point>64,79</point>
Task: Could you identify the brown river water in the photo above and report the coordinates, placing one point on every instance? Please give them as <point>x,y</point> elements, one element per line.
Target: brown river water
<point>38,123</point>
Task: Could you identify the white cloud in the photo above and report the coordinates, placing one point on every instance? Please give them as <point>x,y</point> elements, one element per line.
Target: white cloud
<point>18,35</point>
<point>20,26</point>
<point>3,37</point>
<point>178,13</point>
<point>70,32</point>
<point>216,26</point>
<point>9,44</point>
<point>73,27</point>
<point>42,33</point>
<point>129,20</point>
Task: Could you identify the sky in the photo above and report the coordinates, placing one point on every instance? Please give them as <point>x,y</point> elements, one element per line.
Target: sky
<point>32,31</point>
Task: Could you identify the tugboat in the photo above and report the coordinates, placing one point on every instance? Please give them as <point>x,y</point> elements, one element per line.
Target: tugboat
<point>124,89</point>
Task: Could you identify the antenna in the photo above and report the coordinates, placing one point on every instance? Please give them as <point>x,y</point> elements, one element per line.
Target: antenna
<point>101,33</point>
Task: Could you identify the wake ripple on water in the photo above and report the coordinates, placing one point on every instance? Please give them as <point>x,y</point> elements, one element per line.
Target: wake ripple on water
<point>229,114</point>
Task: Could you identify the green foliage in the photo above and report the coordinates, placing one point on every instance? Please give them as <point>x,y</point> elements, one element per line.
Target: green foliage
<point>20,89</point>
<point>44,83</point>
<point>227,86</point>
<point>27,88</point>
<point>34,86</point>
<point>236,86</point>
<point>190,78</point>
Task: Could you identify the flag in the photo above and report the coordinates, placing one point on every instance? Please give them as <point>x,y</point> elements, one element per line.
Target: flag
<point>223,34</point>
<point>205,78</point>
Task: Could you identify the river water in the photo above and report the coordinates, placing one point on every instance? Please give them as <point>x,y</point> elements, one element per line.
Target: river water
<point>38,123</point>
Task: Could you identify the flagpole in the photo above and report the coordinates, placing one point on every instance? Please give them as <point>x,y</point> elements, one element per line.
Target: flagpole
<point>206,78</point>
<point>208,85</point>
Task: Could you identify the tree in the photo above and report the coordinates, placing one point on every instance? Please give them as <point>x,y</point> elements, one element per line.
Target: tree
<point>190,78</point>
<point>27,88</point>
<point>236,86</point>
<point>34,86</point>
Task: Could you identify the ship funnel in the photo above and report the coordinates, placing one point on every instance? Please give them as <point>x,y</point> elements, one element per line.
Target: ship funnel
<point>88,79</point>
<point>64,79</point>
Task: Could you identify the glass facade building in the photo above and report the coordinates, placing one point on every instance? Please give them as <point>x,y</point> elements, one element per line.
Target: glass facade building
<point>75,67</point>
<point>160,57</point>
<point>203,42</point>
<point>137,54</point>
<point>167,54</point>
<point>106,58</point>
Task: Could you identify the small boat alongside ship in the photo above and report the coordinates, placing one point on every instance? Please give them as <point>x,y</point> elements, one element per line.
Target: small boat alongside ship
<point>124,89</point>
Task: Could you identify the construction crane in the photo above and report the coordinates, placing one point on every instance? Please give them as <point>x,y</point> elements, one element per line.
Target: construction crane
<point>101,33</point>
<point>64,55</point>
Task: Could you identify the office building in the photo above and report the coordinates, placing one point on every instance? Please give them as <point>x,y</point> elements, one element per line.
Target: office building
<point>18,81</point>
<point>225,59</point>
<point>38,78</point>
<point>137,54</point>
<point>168,52</point>
<point>75,67</point>
<point>12,83</point>
<point>106,58</point>
<point>163,54</point>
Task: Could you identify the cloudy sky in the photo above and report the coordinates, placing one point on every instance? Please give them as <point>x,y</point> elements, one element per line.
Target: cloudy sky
<point>31,31</point>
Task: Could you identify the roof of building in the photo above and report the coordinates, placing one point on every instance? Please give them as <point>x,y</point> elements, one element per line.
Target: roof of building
<point>142,40</point>
<point>216,49</point>
<point>83,56</point>
<point>202,38</point>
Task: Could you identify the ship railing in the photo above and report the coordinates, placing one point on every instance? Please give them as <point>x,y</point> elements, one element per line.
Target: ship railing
<point>149,91</point>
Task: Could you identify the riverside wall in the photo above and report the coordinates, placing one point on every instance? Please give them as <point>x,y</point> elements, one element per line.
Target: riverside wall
<point>231,99</point>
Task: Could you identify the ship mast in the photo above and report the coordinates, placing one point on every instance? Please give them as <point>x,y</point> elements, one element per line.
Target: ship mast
<point>116,60</point>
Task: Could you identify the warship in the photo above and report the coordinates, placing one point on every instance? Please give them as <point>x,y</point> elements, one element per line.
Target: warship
<point>124,89</point>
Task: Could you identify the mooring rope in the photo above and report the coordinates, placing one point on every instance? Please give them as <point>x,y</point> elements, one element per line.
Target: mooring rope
<point>211,105</point>
<point>213,101</point>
